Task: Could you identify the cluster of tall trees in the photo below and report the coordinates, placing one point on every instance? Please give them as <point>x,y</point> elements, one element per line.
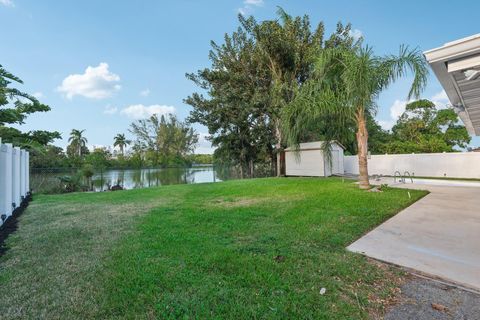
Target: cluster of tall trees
<point>255,74</point>
<point>280,82</point>
<point>163,140</point>
<point>159,141</point>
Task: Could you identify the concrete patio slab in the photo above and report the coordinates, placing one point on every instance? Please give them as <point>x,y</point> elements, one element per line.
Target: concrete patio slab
<point>438,235</point>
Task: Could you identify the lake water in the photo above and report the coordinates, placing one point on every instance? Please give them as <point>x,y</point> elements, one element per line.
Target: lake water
<point>47,180</point>
<point>144,178</point>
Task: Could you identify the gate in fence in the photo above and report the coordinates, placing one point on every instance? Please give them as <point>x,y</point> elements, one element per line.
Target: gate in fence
<point>14,179</point>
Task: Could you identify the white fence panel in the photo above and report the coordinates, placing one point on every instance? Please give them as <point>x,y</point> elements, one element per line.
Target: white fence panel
<point>16,176</point>
<point>27,171</point>
<point>14,179</point>
<point>23,191</point>
<point>450,165</point>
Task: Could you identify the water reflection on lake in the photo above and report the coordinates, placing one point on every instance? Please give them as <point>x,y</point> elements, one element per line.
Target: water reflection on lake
<point>143,178</point>
<point>52,180</point>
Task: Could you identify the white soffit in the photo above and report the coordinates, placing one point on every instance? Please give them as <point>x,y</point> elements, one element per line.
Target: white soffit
<point>457,66</point>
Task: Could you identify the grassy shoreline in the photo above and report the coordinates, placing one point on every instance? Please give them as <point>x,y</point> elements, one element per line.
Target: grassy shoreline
<point>259,248</point>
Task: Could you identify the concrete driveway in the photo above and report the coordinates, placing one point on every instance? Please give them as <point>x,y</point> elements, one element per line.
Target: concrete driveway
<point>438,235</point>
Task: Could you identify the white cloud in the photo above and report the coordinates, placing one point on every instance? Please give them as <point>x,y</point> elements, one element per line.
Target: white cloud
<point>7,3</point>
<point>145,93</point>
<point>355,34</point>
<point>440,99</point>
<point>139,111</point>
<point>386,124</point>
<point>249,5</point>
<point>204,146</point>
<point>396,110</point>
<point>95,83</point>
<point>110,110</point>
<point>256,3</point>
<point>38,94</point>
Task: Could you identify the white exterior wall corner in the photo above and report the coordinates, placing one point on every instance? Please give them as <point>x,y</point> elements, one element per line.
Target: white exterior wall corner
<point>450,165</point>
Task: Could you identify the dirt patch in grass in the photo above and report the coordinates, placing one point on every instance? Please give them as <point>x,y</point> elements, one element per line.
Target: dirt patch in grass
<point>247,202</point>
<point>59,247</point>
<point>235,203</point>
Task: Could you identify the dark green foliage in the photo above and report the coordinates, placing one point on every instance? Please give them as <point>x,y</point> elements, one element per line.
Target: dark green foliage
<point>15,106</point>
<point>201,159</point>
<point>422,128</point>
<point>163,141</point>
<point>255,73</point>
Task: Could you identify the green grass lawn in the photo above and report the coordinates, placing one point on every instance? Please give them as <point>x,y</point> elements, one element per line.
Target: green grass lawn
<point>242,249</point>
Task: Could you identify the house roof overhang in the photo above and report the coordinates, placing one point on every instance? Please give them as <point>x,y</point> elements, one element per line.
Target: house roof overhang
<point>457,66</point>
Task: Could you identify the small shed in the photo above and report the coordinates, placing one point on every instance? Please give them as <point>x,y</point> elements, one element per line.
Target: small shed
<point>310,160</point>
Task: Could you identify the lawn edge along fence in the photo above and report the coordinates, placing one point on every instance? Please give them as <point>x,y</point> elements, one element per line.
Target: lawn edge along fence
<point>14,180</point>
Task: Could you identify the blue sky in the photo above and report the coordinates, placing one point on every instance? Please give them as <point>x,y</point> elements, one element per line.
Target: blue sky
<point>102,64</point>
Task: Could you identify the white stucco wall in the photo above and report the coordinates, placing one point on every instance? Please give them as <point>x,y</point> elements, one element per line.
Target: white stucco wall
<point>310,161</point>
<point>453,165</point>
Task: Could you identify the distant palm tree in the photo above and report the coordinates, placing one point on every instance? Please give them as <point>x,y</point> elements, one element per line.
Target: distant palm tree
<point>121,142</point>
<point>78,140</point>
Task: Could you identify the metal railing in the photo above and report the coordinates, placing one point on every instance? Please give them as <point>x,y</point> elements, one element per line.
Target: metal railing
<point>402,178</point>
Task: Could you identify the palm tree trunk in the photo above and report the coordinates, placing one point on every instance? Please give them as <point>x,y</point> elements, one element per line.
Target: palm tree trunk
<point>362,144</point>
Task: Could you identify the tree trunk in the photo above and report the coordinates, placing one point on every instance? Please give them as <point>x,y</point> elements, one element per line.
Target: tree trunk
<point>278,149</point>
<point>252,168</point>
<point>241,171</point>
<point>362,143</point>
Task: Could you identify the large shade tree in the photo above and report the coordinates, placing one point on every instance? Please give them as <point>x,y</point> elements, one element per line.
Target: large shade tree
<point>255,73</point>
<point>344,90</point>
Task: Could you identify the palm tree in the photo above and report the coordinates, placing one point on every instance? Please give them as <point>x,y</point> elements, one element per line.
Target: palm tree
<point>344,90</point>
<point>78,140</point>
<point>121,142</point>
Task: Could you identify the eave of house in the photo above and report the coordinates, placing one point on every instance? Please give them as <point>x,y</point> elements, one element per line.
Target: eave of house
<point>449,63</point>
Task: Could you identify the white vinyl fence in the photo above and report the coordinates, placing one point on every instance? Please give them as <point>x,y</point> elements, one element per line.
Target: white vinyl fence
<point>14,179</point>
<point>450,165</point>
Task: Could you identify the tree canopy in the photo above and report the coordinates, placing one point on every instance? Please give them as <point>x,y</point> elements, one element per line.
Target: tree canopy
<point>163,140</point>
<point>255,73</point>
<point>422,128</point>
<point>15,106</point>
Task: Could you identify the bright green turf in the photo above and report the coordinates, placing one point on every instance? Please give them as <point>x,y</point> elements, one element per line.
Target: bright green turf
<point>199,251</point>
